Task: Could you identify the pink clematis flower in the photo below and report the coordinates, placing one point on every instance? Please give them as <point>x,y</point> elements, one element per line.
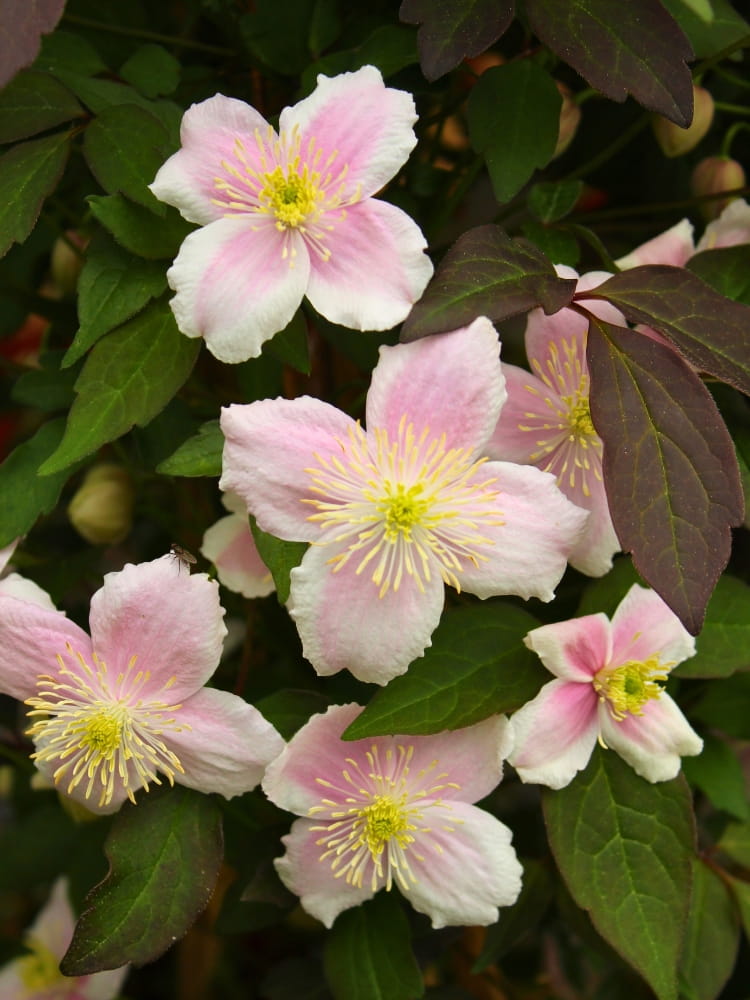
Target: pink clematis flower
<point>395,809</point>
<point>114,712</point>
<point>37,976</point>
<point>292,214</point>
<point>396,511</point>
<point>607,687</point>
<point>547,422</point>
<point>230,546</point>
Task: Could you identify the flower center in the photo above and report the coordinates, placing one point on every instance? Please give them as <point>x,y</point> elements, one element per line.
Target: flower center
<point>382,819</point>
<point>100,731</point>
<point>404,508</point>
<point>627,688</point>
<point>40,970</point>
<point>291,198</point>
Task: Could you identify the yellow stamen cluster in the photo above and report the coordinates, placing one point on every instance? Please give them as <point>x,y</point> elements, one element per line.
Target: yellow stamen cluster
<point>40,971</point>
<point>627,688</point>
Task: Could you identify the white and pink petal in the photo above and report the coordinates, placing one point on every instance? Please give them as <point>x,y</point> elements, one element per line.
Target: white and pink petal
<point>230,545</point>
<point>644,626</point>
<point>575,649</point>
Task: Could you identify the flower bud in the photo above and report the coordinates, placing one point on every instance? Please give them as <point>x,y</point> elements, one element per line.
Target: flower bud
<point>102,509</point>
<point>570,116</point>
<point>674,140</point>
<point>66,264</point>
<point>712,176</point>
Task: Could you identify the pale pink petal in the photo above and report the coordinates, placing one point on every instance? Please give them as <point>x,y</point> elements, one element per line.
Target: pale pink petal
<point>732,227</point>
<point>531,546</point>
<point>344,624</point>
<point>169,619</point>
<point>31,637</point>
<point>224,745</point>
<point>238,283</point>
<point>268,448</point>
<point>368,126</point>
<point>654,742</point>
<point>643,625</point>
<point>469,867</point>
<point>597,545</point>
<point>574,650</point>
<point>102,985</point>
<point>11,984</point>
<point>452,383</point>
<point>18,586</point>
<point>54,924</point>
<point>377,267</point>
<point>322,894</point>
<point>555,733</point>
<point>230,545</point>
<point>208,134</point>
<point>545,334</point>
<point>675,247</point>
<point>529,403</point>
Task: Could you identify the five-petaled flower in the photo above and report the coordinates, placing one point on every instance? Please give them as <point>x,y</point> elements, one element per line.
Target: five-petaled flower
<point>396,511</point>
<point>395,809</point>
<point>547,422</point>
<point>117,711</point>
<point>607,687</point>
<point>292,214</point>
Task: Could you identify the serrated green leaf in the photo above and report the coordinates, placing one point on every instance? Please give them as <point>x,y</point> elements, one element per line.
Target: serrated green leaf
<point>477,666</point>
<point>712,937</point>
<point>164,854</point>
<point>368,956</point>
<point>726,28</point>
<point>98,94</point>
<point>46,389</point>
<point>32,103</point>
<point>514,117</point>
<point>129,376</point>
<point>454,30</point>
<point>625,849</point>
<point>723,645</point>
<point>138,230</point>
<point>735,842</point>
<point>634,48</point>
<point>486,273</point>
<point>523,916</point>
<point>289,709</point>
<point>290,346</point>
<point>669,466</point>
<point>200,455</point>
<point>726,270</point>
<point>152,70</point>
<point>112,287</point>
<point>551,201</point>
<point>65,51</point>
<point>717,772</point>
<point>28,173</point>
<point>725,705</point>
<point>280,556</point>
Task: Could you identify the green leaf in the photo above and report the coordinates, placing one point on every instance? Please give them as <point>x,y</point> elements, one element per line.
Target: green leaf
<point>164,854</point>
<point>625,850</point>
<point>152,70</point>
<point>726,270</point>
<point>735,842</point>
<point>290,346</point>
<point>34,102</point>
<point>277,34</point>
<point>514,118</point>
<point>718,774</point>
<point>200,455</point>
<point>723,645</point>
<point>368,956</point>
<point>486,273</point>
<point>289,709</point>
<point>98,95</point>
<point>726,29</point>
<point>28,173</point>
<point>725,706</point>
<point>553,201</point>
<point>112,287</point>
<point>711,938</point>
<point>46,389</point>
<point>741,892</point>
<point>25,493</point>
<point>129,376</point>
<point>621,48</point>
<point>280,556</point>
<point>454,30</point>
<point>605,593</point>
<point>517,920</point>
<point>669,466</point>
<point>559,245</point>
<point>709,329</point>
<point>138,230</point>
<point>389,47</point>
<point>66,51</point>
<point>477,666</point>
<point>120,164</point>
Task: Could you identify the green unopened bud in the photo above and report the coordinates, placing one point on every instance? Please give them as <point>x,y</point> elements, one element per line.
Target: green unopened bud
<point>102,509</point>
<point>674,140</point>
<point>66,263</point>
<point>570,116</point>
<point>712,176</point>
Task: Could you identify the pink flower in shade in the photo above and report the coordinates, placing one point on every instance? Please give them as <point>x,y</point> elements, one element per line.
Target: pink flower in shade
<point>396,511</point>
<point>547,422</point>
<point>607,688</point>
<point>292,214</point>
<point>230,546</point>
<point>37,976</point>
<point>116,711</point>
<point>395,809</point>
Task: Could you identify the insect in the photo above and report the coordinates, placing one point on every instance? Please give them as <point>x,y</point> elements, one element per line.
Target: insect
<point>183,557</point>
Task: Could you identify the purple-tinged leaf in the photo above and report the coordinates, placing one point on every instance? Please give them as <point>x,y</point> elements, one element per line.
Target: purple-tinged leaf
<point>669,466</point>
<point>713,332</point>
<point>453,30</point>
<point>621,48</point>
<point>486,273</point>
<point>164,854</point>
<point>22,25</point>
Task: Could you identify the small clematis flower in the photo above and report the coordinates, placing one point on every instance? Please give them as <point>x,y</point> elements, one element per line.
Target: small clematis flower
<point>608,687</point>
<point>546,421</point>
<point>397,511</point>
<point>37,976</point>
<point>230,546</point>
<point>395,810</point>
<point>124,708</point>
<point>292,214</point>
